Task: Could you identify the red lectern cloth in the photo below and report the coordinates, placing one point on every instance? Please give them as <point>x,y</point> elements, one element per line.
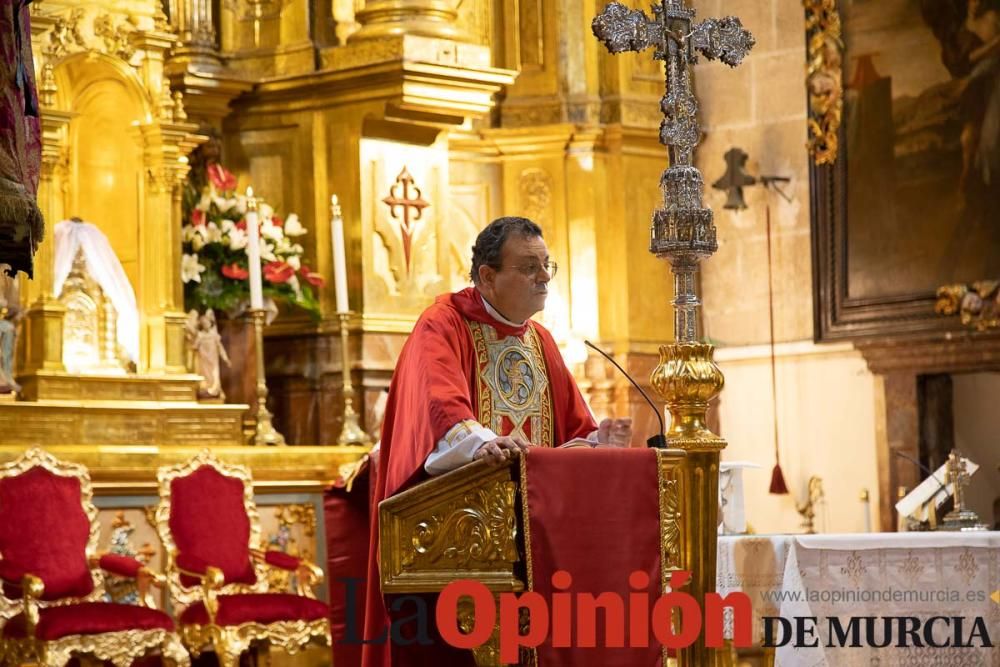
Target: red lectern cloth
<point>595,514</point>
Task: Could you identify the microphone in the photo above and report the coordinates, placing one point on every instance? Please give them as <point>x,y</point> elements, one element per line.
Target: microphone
<point>659,440</point>
<point>924,468</point>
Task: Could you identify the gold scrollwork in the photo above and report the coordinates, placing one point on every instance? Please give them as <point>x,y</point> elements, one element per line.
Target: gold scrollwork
<point>670,523</point>
<point>977,304</point>
<point>480,528</point>
<point>117,39</point>
<point>290,636</point>
<point>489,652</point>
<point>535,186</point>
<point>824,79</point>
<point>119,648</point>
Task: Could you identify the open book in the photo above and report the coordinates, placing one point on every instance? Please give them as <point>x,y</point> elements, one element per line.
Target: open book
<point>576,442</point>
<point>583,442</point>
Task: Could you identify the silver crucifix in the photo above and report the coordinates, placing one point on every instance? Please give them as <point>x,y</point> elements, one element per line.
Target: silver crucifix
<point>682,231</point>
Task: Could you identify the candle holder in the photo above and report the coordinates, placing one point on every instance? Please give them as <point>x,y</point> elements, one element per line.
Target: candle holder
<point>265,434</point>
<point>351,433</point>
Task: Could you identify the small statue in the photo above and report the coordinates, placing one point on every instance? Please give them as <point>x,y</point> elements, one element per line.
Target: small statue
<point>958,476</point>
<point>8,337</point>
<point>10,313</point>
<point>206,343</point>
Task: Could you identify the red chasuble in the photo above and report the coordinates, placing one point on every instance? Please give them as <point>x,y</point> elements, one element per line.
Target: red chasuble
<point>462,364</point>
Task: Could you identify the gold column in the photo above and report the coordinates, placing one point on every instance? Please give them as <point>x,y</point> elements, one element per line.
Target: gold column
<point>43,325</point>
<point>167,142</point>
<point>195,27</point>
<point>687,379</point>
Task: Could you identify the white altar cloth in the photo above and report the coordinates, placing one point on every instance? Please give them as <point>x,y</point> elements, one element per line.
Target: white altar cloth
<point>875,574</point>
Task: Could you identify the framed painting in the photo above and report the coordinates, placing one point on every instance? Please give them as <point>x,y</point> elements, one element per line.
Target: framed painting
<point>905,140</point>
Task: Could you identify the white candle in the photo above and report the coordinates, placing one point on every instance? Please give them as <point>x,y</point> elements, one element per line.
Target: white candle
<point>339,260</point>
<point>253,253</point>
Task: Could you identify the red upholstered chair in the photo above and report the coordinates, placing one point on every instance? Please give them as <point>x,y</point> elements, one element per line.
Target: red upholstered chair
<point>216,571</point>
<point>51,575</point>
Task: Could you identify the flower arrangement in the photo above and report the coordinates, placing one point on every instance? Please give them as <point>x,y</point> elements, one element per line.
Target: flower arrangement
<point>214,266</point>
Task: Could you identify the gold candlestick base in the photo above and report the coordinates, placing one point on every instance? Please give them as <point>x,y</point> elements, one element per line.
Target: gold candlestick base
<point>265,433</point>
<point>351,433</point>
<point>687,379</point>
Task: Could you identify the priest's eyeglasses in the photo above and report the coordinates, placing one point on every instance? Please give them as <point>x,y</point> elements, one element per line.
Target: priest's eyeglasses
<point>532,270</point>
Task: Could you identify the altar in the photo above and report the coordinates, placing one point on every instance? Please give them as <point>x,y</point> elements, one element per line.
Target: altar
<point>918,576</point>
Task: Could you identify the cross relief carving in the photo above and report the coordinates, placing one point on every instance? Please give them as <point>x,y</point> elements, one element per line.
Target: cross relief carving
<point>406,204</point>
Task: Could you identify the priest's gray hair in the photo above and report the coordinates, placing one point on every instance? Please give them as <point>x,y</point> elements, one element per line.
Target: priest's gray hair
<point>489,243</point>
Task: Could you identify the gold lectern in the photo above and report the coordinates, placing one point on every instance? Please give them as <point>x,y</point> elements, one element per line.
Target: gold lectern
<point>467,524</point>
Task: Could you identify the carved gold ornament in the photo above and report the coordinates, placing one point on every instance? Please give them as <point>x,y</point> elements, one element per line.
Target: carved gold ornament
<point>480,527</point>
<point>824,78</point>
<point>687,378</point>
<point>290,636</point>
<point>119,648</point>
<point>670,513</point>
<point>977,304</point>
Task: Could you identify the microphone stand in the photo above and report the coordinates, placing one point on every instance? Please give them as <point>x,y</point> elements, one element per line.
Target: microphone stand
<point>658,441</point>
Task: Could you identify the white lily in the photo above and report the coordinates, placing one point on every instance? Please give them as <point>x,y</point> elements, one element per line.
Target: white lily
<point>214,234</point>
<point>197,241</point>
<point>191,268</point>
<point>294,262</point>
<point>282,245</point>
<point>271,231</point>
<point>237,238</point>
<point>293,227</point>
<point>294,282</point>
<point>267,252</point>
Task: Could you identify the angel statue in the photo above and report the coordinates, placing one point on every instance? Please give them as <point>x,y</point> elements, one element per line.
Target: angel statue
<point>206,344</point>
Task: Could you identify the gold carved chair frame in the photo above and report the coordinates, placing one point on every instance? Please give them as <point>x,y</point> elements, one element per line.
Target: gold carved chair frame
<point>120,648</point>
<point>229,642</point>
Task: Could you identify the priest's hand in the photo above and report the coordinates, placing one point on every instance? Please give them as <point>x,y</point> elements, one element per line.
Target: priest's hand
<point>615,432</point>
<point>501,449</point>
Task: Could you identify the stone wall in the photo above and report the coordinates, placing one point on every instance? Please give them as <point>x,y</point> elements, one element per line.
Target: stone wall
<point>825,394</point>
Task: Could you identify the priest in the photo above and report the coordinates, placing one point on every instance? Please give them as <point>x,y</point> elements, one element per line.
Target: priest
<point>477,379</point>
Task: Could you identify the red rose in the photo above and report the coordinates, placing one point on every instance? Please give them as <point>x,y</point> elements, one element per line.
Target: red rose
<point>242,224</point>
<point>197,218</point>
<point>278,272</point>
<point>235,271</point>
<point>312,277</point>
<point>221,178</point>
<point>277,222</point>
